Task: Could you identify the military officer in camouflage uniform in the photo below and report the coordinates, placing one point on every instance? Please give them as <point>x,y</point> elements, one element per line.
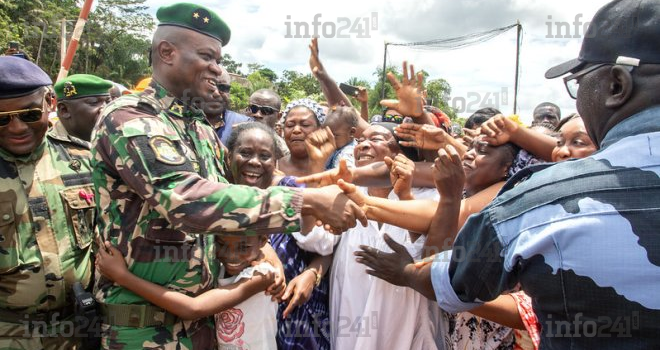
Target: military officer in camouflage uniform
<point>80,99</point>
<point>46,215</point>
<point>161,192</point>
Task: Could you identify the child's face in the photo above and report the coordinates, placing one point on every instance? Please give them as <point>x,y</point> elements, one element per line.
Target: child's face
<point>238,252</point>
<point>343,132</point>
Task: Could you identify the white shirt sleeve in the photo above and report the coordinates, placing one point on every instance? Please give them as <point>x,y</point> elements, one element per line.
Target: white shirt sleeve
<point>317,241</point>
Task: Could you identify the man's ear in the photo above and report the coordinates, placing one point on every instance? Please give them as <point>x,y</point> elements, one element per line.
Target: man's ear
<point>352,131</point>
<point>166,52</point>
<point>63,111</point>
<point>621,87</point>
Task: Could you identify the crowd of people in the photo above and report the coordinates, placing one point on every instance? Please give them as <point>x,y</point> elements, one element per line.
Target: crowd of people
<point>162,219</point>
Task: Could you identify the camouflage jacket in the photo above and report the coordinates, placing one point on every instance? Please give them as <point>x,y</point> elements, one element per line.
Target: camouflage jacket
<point>46,224</point>
<point>159,185</point>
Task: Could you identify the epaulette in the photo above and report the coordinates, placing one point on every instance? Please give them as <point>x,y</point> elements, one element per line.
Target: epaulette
<point>145,103</point>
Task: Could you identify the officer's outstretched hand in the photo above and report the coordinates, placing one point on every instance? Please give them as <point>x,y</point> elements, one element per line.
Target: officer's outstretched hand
<point>110,263</point>
<point>333,208</point>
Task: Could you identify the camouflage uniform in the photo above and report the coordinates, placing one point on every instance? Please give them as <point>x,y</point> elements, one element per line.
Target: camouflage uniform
<point>46,230</point>
<point>160,188</point>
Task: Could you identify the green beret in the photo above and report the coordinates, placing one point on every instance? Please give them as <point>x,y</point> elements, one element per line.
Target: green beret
<point>81,85</point>
<point>194,17</point>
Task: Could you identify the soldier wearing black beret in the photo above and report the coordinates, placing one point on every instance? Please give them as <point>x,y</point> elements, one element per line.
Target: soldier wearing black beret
<point>46,215</point>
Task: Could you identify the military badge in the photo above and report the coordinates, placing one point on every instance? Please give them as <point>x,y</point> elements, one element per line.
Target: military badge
<point>201,18</point>
<point>165,151</point>
<point>69,89</point>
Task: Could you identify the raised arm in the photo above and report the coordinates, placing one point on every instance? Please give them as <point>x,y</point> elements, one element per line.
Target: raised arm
<point>373,175</point>
<point>329,87</point>
<point>410,94</point>
<point>415,215</point>
<point>500,129</point>
<point>449,180</point>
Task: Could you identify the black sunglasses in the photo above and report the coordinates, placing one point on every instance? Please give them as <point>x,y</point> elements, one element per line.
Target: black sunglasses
<point>264,109</point>
<point>31,115</point>
<point>224,87</point>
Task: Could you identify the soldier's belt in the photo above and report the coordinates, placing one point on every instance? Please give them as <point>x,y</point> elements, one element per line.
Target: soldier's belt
<point>51,316</point>
<point>136,316</point>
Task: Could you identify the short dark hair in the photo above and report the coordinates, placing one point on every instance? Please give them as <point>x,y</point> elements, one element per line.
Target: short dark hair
<point>548,104</point>
<point>344,113</point>
<point>480,116</point>
<point>239,129</point>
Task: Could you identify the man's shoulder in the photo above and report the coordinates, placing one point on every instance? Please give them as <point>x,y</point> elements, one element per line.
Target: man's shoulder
<point>232,117</point>
<point>570,181</point>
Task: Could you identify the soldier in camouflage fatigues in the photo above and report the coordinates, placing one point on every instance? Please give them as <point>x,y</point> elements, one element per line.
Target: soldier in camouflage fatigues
<point>46,215</point>
<point>158,173</point>
<point>160,189</point>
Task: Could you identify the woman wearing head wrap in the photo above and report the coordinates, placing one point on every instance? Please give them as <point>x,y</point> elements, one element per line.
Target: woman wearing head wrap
<point>299,119</point>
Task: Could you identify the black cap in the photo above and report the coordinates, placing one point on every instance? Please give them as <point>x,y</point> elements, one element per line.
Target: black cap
<point>19,77</point>
<point>623,32</point>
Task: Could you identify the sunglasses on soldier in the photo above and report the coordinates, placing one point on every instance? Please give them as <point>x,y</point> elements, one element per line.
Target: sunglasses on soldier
<point>30,115</point>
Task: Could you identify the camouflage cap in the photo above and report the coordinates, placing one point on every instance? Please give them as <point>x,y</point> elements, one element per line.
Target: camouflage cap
<point>19,77</point>
<point>194,17</point>
<point>81,85</point>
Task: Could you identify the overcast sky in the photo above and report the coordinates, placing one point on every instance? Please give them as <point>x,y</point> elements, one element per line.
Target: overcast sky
<point>259,34</point>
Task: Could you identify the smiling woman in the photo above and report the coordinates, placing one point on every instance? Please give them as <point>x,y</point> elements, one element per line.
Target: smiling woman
<point>253,153</point>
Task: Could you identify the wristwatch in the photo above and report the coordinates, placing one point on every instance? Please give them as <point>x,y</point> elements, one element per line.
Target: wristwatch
<point>318,277</point>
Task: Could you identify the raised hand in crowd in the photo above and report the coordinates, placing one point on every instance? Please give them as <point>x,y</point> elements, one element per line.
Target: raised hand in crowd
<point>499,130</point>
<point>401,174</point>
<point>314,61</point>
<point>409,93</point>
<point>320,145</point>
<point>469,135</point>
<point>363,97</point>
<point>328,177</point>
<point>426,137</point>
<point>449,178</point>
<point>448,173</point>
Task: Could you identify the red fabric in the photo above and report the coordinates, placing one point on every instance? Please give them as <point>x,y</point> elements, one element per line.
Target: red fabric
<point>524,303</point>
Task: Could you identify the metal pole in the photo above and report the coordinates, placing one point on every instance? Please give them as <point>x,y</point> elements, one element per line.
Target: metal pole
<point>41,42</point>
<point>63,42</point>
<point>75,37</point>
<point>515,88</point>
<point>382,81</point>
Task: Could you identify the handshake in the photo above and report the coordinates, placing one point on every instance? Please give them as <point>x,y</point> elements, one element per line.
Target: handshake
<point>334,203</point>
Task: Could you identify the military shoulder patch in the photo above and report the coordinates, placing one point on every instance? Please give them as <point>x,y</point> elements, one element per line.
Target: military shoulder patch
<point>165,151</point>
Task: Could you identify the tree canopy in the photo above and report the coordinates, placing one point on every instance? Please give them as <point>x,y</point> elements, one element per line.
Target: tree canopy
<point>114,45</point>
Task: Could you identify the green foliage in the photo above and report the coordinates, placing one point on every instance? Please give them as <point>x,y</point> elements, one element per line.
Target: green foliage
<point>437,94</point>
<point>113,46</point>
<point>108,47</point>
<point>294,85</point>
<point>230,65</point>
